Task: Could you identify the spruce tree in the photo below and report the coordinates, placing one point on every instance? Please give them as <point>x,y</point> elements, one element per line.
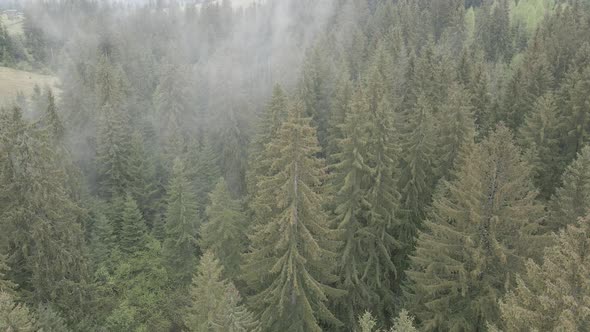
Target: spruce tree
<point>204,171</point>
<point>141,287</point>
<point>367,322</point>
<point>572,199</point>
<point>268,126</point>
<point>52,119</point>
<point>540,134</point>
<point>270,120</point>
<point>481,227</point>
<point>182,222</point>
<point>417,170</point>
<point>110,83</point>
<point>232,151</point>
<point>102,240</point>
<point>236,317</point>
<point>172,100</point>
<point>352,180</point>
<point>140,280</point>
<point>52,123</point>
<point>432,76</point>
<point>114,147</point>
<point>495,34</point>
<point>517,102</point>
<point>455,128</point>
<point>216,302</point>
<point>555,295</point>
<point>133,238</point>
<point>367,198</point>
<point>574,105</point>
<point>291,259</point>
<point>15,317</point>
<point>46,250</point>
<point>142,178</point>
<point>224,232</point>
<point>341,104</point>
<point>315,90</point>
<point>481,98</point>
<point>174,114</point>
<point>403,323</point>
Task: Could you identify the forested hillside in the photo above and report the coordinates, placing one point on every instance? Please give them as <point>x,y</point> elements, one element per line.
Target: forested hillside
<point>298,165</point>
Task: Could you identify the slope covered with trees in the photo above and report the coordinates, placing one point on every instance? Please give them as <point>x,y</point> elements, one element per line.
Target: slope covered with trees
<point>298,165</point>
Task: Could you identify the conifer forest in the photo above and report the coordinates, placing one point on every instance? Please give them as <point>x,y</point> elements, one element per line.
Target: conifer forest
<point>295,165</point>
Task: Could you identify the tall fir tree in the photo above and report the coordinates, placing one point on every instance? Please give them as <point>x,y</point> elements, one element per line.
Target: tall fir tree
<point>182,223</point>
<point>216,302</point>
<point>455,128</point>
<point>110,83</point>
<point>46,249</point>
<point>574,103</point>
<point>494,31</point>
<point>204,171</point>
<point>268,126</point>
<point>233,161</point>
<point>143,184</point>
<point>540,135</point>
<point>367,198</point>
<point>102,241</point>
<point>417,171</point>
<point>517,101</point>
<point>139,278</point>
<point>291,259</point>
<point>53,119</point>
<point>114,147</point>
<point>572,199</point>
<point>340,107</point>
<point>480,229</point>
<point>224,231</point>
<point>481,97</point>
<point>315,89</point>
<point>133,237</point>
<point>173,112</point>
<point>553,296</point>
<point>351,182</point>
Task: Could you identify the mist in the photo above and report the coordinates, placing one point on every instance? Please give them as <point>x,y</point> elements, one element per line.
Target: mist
<point>230,53</point>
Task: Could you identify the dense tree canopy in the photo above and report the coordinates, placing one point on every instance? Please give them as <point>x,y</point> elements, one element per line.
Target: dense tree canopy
<point>294,165</point>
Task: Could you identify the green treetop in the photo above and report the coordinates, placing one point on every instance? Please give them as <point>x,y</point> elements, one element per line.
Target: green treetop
<point>540,134</point>
<point>480,228</point>
<point>224,231</point>
<point>182,222</point>
<point>216,302</point>
<point>290,262</point>
<point>554,296</point>
<point>133,238</point>
<point>572,200</point>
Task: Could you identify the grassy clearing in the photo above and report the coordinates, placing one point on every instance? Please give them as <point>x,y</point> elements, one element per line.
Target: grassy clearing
<point>13,80</point>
